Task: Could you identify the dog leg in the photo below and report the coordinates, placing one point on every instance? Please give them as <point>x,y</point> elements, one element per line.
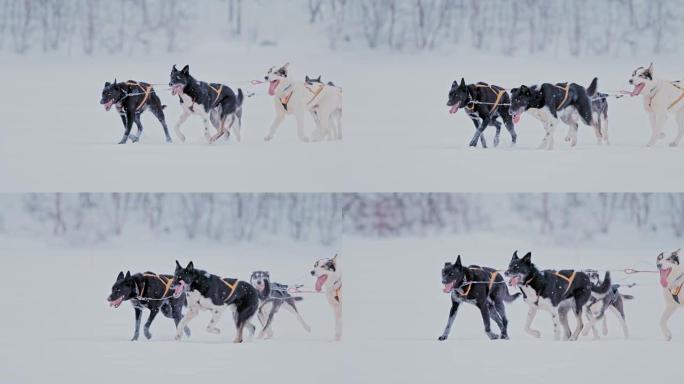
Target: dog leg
<point>129,124</point>
<point>580,324</point>
<point>680,125</point>
<point>148,323</point>
<point>450,321</point>
<point>604,129</point>
<point>338,124</point>
<point>334,302</point>
<point>572,134</point>
<point>219,131</point>
<point>497,133</point>
<point>563,320</point>
<point>138,316</point>
<point>658,121</point>
<point>280,116</point>
<point>531,313</point>
<point>189,315</point>
<point>620,314</point>
<point>510,126</point>
<point>669,310</point>
<point>158,112</point>
<point>501,309</point>
<point>494,315</point>
<point>215,317</point>
<point>267,331</point>
<point>138,123</point>
<point>484,311</point>
<point>293,308</point>
<point>177,316</point>
<point>588,313</point>
<point>300,128</point>
<point>483,141</point>
<point>480,131</point>
<point>184,116</point>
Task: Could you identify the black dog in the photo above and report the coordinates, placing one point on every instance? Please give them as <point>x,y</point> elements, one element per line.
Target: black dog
<point>210,292</point>
<point>273,295</point>
<point>552,99</point>
<point>212,101</point>
<point>554,291</point>
<point>151,291</point>
<point>132,99</point>
<point>484,104</point>
<point>481,286</point>
<point>312,81</point>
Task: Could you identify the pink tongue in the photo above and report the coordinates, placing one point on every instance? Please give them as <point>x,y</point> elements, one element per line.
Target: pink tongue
<point>513,281</point>
<point>178,289</point>
<point>272,87</point>
<point>516,118</point>
<point>116,302</point>
<point>454,108</point>
<point>638,88</point>
<point>447,287</point>
<point>320,281</point>
<point>664,273</point>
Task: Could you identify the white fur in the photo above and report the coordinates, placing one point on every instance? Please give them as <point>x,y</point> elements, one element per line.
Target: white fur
<point>674,280</point>
<point>197,302</point>
<point>332,287</point>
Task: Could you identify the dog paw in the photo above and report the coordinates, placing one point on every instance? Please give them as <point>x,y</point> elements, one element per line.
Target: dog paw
<point>307,328</point>
<point>214,330</point>
<point>568,139</point>
<point>148,335</point>
<point>134,138</point>
<point>169,141</point>
<point>135,337</point>
<point>442,338</point>
<point>268,138</point>
<point>674,144</point>
<point>492,336</point>
<point>181,138</point>
<point>534,333</point>
<point>178,337</point>
<point>504,336</point>
<point>123,141</point>
<point>187,331</point>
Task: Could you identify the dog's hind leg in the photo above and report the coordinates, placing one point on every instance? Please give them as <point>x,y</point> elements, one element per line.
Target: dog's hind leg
<point>267,331</point>
<point>476,122</point>
<point>589,314</point>
<point>680,126</point>
<point>484,311</point>
<point>480,131</point>
<point>497,134</point>
<point>510,126</point>
<point>669,310</point>
<point>215,318</point>
<point>563,320</point>
<point>573,128</point>
<point>244,311</point>
<point>153,313</point>
<point>293,308</point>
<point>619,312</point>
<point>531,313</point>
<point>501,310</point>
<point>658,120</point>
<point>494,315</point>
<point>177,314</point>
<point>129,124</point>
<point>138,317</point>
<point>189,315</point>
<point>450,321</point>
<point>138,123</point>
<point>158,111</point>
<point>184,116</point>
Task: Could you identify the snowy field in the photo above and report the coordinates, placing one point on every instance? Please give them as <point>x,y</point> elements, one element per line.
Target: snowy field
<point>59,325</point>
<point>398,135</point>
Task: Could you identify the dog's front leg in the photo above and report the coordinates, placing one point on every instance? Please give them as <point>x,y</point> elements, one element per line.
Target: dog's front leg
<point>476,123</point>
<point>148,323</point>
<point>189,315</point>
<point>336,304</point>
<point>130,117</point>
<point>293,308</point>
<point>531,313</point>
<point>658,120</point>
<point>484,311</point>
<point>669,310</point>
<point>300,127</point>
<point>280,116</point>
<point>138,123</point>
<point>571,137</point>
<point>266,331</point>
<point>450,321</point>
<point>138,317</point>
<point>480,130</point>
<point>184,116</point>
<point>680,126</point>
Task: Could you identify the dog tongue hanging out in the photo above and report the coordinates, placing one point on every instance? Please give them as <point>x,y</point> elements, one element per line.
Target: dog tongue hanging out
<point>329,280</point>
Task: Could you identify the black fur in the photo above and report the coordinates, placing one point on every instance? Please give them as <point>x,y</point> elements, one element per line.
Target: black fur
<point>271,293</point>
<point>219,106</point>
<point>130,102</point>
<point>482,115</point>
<point>244,296</point>
<point>613,298</point>
<point>551,96</point>
<point>147,291</point>
<point>458,280</point>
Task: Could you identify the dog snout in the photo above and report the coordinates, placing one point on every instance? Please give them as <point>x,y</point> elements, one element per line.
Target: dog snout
<point>631,81</point>
<point>313,273</point>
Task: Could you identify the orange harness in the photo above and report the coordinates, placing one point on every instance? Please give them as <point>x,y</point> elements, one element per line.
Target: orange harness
<point>568,279</point>
<point>492,278</point>
<point>231,286</point>
<point>567,94</point>
<point>681,96</point>
<point>498,92</point>
<point>315,92</point>
<point>166,281</point>
<point>218,92</point>
<point>147,91</point>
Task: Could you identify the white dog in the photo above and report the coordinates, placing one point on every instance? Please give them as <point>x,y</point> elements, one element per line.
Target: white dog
<point>661,97</point>
<point>672,280</point>
<point>329,280</point>
<point>322,101</point>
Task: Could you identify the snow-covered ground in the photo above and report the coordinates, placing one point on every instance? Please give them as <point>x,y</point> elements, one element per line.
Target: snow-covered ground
<point>58,325</point>
<point>398,135</point>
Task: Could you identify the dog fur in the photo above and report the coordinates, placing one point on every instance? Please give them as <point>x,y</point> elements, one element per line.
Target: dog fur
<point>671,280</point>
<point>482,115</point>
<point>131,99</point>
<point>661,98</point>
<point>151,291</point>
<point>481,286</point>
<point>329,280</point>
<point>612,300</point>
<point>273,296</point>
<point>208,292</point>
<point>554,291</point>
<point>549,102</point>
<point>215,103</point>
<point>323,101</point>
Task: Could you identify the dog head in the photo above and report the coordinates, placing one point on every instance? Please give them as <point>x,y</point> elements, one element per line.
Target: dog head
<point>124,288</point>
<point>326,273</point>
<point>593,275</point>
<point>312,80</point>
<point>666,265</point>
<point>519,269</point>
<point>275,76</point>
<point>178,80</point>
<point>112,93</point>
<point>260,280</point>
<point>641,79</point>
<point>453,275</point>
<point>458,96</point>
<point>183,278</point>
<point>520,101</point>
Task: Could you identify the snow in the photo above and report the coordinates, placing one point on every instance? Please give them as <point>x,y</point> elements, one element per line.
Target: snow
<point>398,135</point>
<point>60,327</point>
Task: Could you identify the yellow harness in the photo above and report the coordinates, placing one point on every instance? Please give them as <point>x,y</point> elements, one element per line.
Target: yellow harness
<point>147,91</point>
<point>567,94</point>
<point>492,278</point>
<point>568,279</point>
<point>218,92</point>
<point>499,92</point>
<point>232,288</point>
<point>681,96</point>
<point>165,280</point>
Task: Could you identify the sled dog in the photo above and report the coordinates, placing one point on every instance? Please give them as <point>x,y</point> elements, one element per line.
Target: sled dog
<point>672,280</point>
<point>272,297</point>
<point>329,280</point>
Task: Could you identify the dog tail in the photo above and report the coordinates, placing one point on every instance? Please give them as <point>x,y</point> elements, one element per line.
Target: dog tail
<point>163,107</point>
<point>627,297</point>
<point>591,90</point>
<point>240,97</point>
<point>508,297</point>
<point>605,285</point>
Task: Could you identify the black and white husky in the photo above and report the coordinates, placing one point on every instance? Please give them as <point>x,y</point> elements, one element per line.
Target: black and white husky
<point>147,290</point>
<point>131,99</point>
<point>612,300</point>
<point>208,292</point>
<point>273,296</point>
<point>569,101</point>
<point>484,103</point>
<point>672,281</point>
<point>481,286</point>
<point>215,103</point>
<point>661,98</point>
<point>554,291</point>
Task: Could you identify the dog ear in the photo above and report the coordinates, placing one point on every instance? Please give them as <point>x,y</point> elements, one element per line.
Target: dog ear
<point>515,255</point>
<point>190,266</point>
<point>128,274</point>
<point>527,258</point>
<point>120,276</point>
<point>660,256</point>
<point>334,259</point>
<point>463,82</point>
<point>178,266</point>
<point>318,78</point>
<point>107,84</point>
<point>286,66</point>
<point>458,262</point>
<point>115,81</point>
<point>676,253</point>
<point>307,79</point>
<point>650,68</point>
<point>186,69</point>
